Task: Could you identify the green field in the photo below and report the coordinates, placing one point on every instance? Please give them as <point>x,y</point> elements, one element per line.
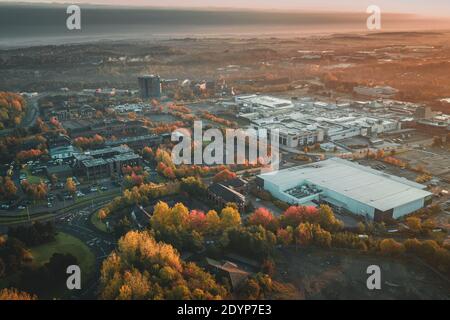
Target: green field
<point>31,178</point>
<point>65,244</point>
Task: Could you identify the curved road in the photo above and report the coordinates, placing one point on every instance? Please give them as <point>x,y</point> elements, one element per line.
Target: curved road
<point>78,224</point>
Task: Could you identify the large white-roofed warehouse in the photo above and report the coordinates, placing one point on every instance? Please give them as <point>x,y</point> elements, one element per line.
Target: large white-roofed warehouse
<point>346,185</point>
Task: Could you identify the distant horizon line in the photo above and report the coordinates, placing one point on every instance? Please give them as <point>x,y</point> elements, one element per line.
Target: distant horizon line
<point>214,8</point>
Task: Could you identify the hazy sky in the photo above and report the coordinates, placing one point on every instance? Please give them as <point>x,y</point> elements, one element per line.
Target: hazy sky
<point>425,7</point>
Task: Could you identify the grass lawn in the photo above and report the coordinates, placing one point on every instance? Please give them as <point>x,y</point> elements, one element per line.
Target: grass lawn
<point>31,178</point>
<point>99,224</point>
<point>66,243</point>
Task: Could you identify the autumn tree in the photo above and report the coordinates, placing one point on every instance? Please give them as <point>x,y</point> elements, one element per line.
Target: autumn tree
<point>361,227</point>
<point>224,175</point>
<point>172,225</point>
<point>327,220</point>
<point>253,241</point>
<point>12,109</point>
<point>321,237</point>
<point>212,222</point>
<point>142,195</point>
<point>37,191</point>
<point>429,250</point>
<point>31,154</point>
<point>429,224</point>
<point>262,287</point>
<point>8,188</point>
<point>71,186</point>
<point>186,229</point>
<point>147,153</point>
<point>102,214</point>
<point>324,216</point>
<point>265,218</point>
<point>229,218</point>
<point>380,154</point>
<point>89,142</point>
<point>303,234</point>
<point>193,186</point>
<point>143,269</point>
<point>391,247</point>
<point>165,165</point>
<point>295,215</point>
<point>414,224</point>
<point>285,236</point>
<point>170,219</point>
<point>14,294</point>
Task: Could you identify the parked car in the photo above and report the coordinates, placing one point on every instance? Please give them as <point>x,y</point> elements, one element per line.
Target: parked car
<point>80,194</point>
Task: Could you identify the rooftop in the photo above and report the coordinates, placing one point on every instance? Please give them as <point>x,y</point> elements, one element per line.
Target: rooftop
<point>365,185</point>
<point>116,150</point>
<point>94,163</point>
<point>266,101</point>
<point>58,169</point>
<point>63,149</point>
<point>226,193</point>
<point>237,275</point>
<point>126,140</point>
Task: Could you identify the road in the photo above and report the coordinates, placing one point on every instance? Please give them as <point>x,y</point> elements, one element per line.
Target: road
<point>59,203</point>
<point>78,224</point>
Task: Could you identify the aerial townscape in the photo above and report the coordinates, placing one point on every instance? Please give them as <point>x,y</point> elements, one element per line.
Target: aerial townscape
<point>88,178</point>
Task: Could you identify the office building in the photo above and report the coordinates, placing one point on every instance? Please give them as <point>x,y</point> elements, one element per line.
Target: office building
<point>150,86</point>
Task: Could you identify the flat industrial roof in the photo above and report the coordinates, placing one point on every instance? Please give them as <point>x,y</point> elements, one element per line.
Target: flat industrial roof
<point>365,185</point>
<point>267,101</point>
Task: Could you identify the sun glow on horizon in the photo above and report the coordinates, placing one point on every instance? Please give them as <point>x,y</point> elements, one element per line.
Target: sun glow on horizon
<point>420,7</point>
